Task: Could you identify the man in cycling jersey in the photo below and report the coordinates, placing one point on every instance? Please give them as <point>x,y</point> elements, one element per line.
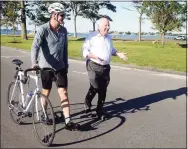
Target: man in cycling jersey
<point>51,40</point>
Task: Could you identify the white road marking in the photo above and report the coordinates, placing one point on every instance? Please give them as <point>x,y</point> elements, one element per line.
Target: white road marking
<point>160,74</point>
<point>171,75</point>
<point>119,67</point>
<point>116,69</point>
<point>84,73</point>
<point>15,49</point>
<point>12,56</point>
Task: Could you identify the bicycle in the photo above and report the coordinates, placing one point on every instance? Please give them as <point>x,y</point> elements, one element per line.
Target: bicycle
<point>18,109</point>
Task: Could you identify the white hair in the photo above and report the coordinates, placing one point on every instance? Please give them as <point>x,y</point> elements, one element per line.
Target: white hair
<point>99,22</point>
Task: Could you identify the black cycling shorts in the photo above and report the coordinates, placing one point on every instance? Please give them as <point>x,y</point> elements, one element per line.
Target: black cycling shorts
<point>61,82</point>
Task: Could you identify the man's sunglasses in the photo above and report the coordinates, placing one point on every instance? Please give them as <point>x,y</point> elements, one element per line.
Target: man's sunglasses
<point>62,15</point>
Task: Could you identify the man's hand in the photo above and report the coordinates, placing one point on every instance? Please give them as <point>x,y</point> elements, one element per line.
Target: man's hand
<point>34,66</point>
<point>91,55</point>
<point>122,56</point>
<point>100,59</point>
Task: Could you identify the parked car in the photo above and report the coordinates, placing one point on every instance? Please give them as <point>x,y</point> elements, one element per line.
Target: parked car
<point>180,38</point>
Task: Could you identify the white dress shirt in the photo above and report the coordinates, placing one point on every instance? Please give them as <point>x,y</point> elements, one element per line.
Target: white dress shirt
<point>99,45</point>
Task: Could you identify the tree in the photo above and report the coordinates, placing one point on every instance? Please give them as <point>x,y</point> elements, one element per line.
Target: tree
<point>140,8</point>
<point>92,11</point>
<point>128,33</point>
<point>38,11</point>
<point>77,8</point>
<point>5,23</point>
<point>166,15</point>
<point>23,21</point>
<point>9,10</point>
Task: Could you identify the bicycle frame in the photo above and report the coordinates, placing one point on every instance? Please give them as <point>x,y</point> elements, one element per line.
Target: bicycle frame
<point>21,107</point>
<point>37,90</point>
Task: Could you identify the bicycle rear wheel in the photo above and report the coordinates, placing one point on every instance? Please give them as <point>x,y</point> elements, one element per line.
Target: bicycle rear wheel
<point>14,105</point>
<point>43,121</point>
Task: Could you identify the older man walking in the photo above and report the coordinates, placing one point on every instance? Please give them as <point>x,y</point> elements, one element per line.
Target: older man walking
<point>98,49</point>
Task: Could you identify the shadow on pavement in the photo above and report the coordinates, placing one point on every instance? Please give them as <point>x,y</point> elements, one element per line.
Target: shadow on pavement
<point>88,127</point>
<point>141,103</point>
<point>119,106</point>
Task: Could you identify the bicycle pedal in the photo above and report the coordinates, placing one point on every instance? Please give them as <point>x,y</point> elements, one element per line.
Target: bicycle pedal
<point>13,102</point>
<point>29,114</point>
<point>11,107</point>
<point>20,113</point>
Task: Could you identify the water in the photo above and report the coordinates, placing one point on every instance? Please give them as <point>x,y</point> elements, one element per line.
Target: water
<point>82,35</point>
<point>129,37</point>
<point>11,32</point>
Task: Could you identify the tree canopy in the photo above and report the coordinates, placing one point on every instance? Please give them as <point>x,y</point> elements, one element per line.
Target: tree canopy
<point>166,15</point>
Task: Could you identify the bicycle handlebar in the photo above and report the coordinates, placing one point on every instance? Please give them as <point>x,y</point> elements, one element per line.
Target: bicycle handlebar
<point>31,69</point>
<point>24,80</point>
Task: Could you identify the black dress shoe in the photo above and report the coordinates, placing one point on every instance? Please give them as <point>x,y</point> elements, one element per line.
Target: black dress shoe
<point>88,111</point>
<point>87,108</point>
<point>102,116</point>
<point>87,104</point>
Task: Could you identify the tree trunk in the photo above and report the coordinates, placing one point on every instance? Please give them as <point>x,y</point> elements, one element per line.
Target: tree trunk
<point>162,38</point>
<point>140,25</point>
<point>93,26</point>
<point>75,33</point>
<point>14,32</point>
<point>23,20</point>
<point>7,29</point>
<point>35,29</point>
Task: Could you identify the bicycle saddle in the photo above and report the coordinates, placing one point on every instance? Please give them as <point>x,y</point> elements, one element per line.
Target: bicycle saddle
<point>17,62</point>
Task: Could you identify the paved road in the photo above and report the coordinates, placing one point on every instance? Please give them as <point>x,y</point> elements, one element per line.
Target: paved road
<point>148,110</point>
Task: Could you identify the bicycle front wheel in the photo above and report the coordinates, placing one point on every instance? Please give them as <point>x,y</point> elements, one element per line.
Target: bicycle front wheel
<point>14,102</point>
<point>43,120</point>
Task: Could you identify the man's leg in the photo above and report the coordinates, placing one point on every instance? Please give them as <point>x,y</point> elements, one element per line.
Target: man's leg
<point>101,100</point>
<point>64,103</point>
<point>62,84</point>
<point>93,86</point>
<point>103,82</point>
<point>89,97</point>
<point>46,85</point>
<point>45,92</point>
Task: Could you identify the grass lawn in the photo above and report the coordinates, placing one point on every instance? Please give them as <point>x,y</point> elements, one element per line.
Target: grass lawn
<point>168,57</point>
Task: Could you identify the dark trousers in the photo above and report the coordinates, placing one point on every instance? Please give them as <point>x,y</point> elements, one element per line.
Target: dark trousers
<point>99,77</point>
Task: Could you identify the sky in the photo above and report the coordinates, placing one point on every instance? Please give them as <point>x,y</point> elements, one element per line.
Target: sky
<point>123,20</point>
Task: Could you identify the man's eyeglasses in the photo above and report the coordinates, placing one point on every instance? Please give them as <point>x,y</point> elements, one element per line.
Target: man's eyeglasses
<point>62,15</point>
